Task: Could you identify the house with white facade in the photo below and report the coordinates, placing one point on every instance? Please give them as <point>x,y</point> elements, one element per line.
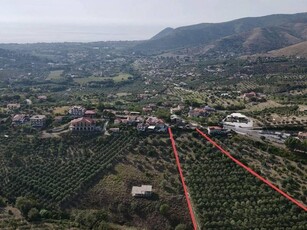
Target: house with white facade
<point>38,120</point>
<point>83,124</point>
<point>77,111</point>
<point>237,121</point>
<point>13,106</point>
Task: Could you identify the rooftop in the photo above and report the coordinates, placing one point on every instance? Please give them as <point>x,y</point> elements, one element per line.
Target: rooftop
<point>83,120</point>
<point>90,112</point>
<point>237,115</point>
<point>18,117</point>
<point>77,107</point>
<point>38,117</point>
<point>139,191</point>
<point>302,134</point>
<point>214,127</point>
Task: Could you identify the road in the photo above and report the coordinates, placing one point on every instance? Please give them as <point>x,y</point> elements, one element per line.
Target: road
<point>257,134</point>
<point>104,129</point>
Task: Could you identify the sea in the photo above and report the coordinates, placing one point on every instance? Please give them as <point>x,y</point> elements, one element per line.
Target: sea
<point>36,32</point>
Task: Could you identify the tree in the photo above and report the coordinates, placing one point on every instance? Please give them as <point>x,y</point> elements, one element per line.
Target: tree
<point>45,213</point>
<point>103,226</point>
<point>109,115</point>
<point>33,214</point>
<point>122,208</point>
<point>134,207</point>
<point>164,208</point>
<point>293,143</point>
<point>164,114</point>
<point>24,204</point>
<point>193,102</point>
<point>101,215</point>
<point>89,219</point>
<point>101,107</point>
<point>119,103</point>
<point>2,202</point>
<point>48,121</point>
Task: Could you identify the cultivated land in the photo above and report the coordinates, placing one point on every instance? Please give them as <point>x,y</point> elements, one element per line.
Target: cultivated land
<point>55,75</point>
<point>82,123</point>
<point>237,202</point>
<point>119,78</point>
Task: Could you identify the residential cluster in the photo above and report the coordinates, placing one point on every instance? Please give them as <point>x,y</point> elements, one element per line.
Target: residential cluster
<point>80,118</point>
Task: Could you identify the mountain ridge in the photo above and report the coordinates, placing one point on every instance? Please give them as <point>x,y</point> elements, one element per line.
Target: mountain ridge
<point>203,34</point>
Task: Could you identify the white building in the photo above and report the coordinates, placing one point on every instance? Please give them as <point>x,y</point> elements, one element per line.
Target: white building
<point>38,120</point>
<point>13,106</point>
<point>83,124</point>
<point>143,191</point>
<point>29,102</point>
<point>77,111</point>
<point>237,121</point>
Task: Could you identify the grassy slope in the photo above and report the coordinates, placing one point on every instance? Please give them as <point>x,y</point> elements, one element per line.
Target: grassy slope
<point>299,49</point>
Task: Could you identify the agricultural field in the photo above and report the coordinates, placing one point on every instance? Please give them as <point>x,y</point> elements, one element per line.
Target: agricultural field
<point>123,94</point>
<point>283,168</point>
<point>53,171</point>
<point>208,97</point>
<point>61,110</point>
<point>226,196</point>
<point>85,80</point>
<point>261,106</point>
<point>119,78</point>
<point>281,116</point>
<point>55,75</point>
<point>96,173</point>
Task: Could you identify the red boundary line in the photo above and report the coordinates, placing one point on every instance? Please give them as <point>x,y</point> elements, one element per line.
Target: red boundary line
<point>182,179</point>
<point>252,172</point>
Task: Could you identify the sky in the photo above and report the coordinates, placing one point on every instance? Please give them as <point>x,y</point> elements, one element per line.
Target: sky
<point>94,20</point>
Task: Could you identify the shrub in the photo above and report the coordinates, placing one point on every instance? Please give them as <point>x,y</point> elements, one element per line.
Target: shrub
<point>181,227</point>
<point>164,208</point>
<point>25,205</point>
<point>33,214</point>
<point>2,202</point>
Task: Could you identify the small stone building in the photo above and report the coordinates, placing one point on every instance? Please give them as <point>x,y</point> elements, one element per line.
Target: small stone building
<point>142,191</point>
